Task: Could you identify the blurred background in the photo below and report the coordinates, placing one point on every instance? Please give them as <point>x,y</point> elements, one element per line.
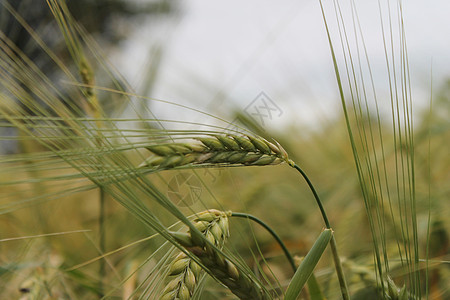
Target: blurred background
<point>219,56</point>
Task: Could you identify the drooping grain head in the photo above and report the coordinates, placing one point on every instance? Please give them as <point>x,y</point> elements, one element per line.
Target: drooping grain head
<point>213,224</point>
<point>216,150</point>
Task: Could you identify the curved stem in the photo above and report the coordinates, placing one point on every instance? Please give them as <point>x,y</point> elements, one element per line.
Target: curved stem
<point>337,261</point>
<point>316,196</point>
<point>273,233</point>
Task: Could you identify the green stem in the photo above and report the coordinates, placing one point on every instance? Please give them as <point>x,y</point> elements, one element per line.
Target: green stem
<point>316,196</point>
<point>337,261</point>
<point>339,270</point>
<point>273,233</point>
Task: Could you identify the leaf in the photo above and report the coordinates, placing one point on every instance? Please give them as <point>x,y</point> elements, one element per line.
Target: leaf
<point>307,266</point>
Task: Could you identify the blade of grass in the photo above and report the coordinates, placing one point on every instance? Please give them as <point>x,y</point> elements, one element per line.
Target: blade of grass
<point>308,264</point>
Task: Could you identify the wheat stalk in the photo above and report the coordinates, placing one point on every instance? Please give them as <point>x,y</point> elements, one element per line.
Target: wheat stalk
<point>217,150</point>
<point>213,224</point>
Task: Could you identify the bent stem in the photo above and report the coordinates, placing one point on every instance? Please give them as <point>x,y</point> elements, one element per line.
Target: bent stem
<point>337,261</point>
<point>273,233</point>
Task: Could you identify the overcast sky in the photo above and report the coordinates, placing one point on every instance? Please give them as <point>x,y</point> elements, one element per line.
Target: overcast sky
<point>221,54</point>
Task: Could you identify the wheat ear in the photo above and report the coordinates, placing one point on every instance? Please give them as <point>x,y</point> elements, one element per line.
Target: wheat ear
<point>187,273</point>
<point>214,226</point>
<point>216,150</point>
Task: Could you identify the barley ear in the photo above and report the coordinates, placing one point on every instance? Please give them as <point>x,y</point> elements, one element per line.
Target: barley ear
<point>213,224</point>
<point>216,150</point>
